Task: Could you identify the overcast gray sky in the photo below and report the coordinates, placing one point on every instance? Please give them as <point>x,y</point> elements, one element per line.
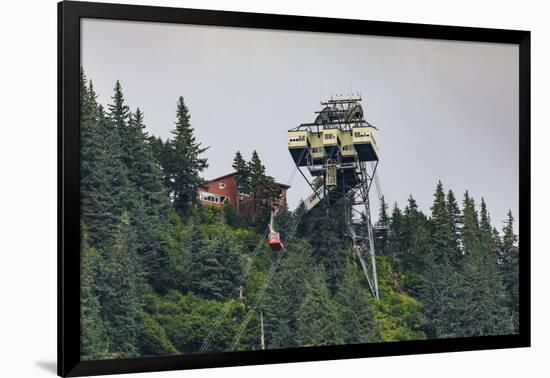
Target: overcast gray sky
<point>445,110</point>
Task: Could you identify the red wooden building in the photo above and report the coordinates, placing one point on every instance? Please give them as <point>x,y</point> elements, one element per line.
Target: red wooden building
<point>223,190</point>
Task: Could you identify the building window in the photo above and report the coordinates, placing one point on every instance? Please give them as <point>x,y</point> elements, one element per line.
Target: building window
<point>329,136</point>
<point>211,197</point>
<point>221,185</point>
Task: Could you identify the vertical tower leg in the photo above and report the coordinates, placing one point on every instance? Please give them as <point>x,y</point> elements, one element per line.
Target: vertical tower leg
<point>358,218</point>
<point>371,246</point>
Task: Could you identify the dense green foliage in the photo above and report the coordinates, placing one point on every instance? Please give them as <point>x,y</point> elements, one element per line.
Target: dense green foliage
<point>158,269</point>
<point>252,180</point>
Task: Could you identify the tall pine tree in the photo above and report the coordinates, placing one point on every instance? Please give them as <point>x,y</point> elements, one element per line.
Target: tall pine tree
<point>284,296</point>
<point>93,336</point>
<point>263,190</point>
<point>185,163</point>
<point>103,176</point>
<point>243,177</point>
<point>416,247</point>
<point>149,212</point>
<point>122,296</point>
<point>216,267</point>
<point>395,240</point>
<point>383,223</point>
<point>326,235</point>
<point>356,308</point>
<point>318,320</point>
<point>456,226</point>
<point>483,314</point>
<point>442,283</point>
<point>510,268</point>
<point>243,173</point>
<point>490,248</point>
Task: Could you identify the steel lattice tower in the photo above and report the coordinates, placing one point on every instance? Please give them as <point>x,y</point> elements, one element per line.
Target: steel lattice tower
<point>340,151</point>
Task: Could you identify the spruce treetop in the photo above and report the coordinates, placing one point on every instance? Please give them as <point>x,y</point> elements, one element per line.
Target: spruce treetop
<point>485,219</point>
<point>509,239</point>
<point>118,110</point>
<point>243,173</point>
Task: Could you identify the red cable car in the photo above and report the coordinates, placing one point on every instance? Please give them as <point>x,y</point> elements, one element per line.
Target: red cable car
<point>274,242</point>
<point>274,239</point>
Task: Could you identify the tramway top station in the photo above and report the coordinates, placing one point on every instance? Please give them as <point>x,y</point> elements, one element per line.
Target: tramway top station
<point>340,150</point>
<point>339,135</point>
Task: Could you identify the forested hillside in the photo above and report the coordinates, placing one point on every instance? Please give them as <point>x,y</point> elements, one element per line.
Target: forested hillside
<point>157,267</point>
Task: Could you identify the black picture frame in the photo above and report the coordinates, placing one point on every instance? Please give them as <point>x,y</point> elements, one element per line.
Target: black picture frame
<point>69,16</point>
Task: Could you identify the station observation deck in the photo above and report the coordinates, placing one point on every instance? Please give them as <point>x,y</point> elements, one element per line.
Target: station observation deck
<point>339,135</point>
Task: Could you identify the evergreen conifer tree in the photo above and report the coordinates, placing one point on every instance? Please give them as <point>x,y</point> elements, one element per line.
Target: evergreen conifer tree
<point>483,313</point>
<point>442,227</point>
<point>216,267</point>
<point>122,296</point>
<point>490,250</point>
<point>162,152</point>
<point>395,241</point>
<point>93,343</point>
<point>119,112</point>
<point>150,209</point>
<point>456,225</point>
<point>318,320</point>
<point>191,246</point>
<point>257,172</point>
<point>263,190</point>
<point>242,177</point>
<point>356,313</point>
<point>442,284</point>
<point>383,222</point>
<point>103,177</point>
<point>143,169</point>
<point>186,162</point>
<point>510,268</point>
<point>278,315</point>
<point>243,173</point>
<point>285,295</point>
<point>326,235</point>
<point>259,184</point>
<point>416,247</point>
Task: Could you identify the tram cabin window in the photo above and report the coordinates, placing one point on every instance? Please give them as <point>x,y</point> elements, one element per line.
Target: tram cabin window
<point>300,138</point>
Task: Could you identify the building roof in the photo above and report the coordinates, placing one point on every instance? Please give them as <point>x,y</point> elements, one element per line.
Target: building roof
<point>234,173</point>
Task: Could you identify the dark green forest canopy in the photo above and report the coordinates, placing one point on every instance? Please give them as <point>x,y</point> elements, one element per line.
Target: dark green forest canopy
<point>158,270</point>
